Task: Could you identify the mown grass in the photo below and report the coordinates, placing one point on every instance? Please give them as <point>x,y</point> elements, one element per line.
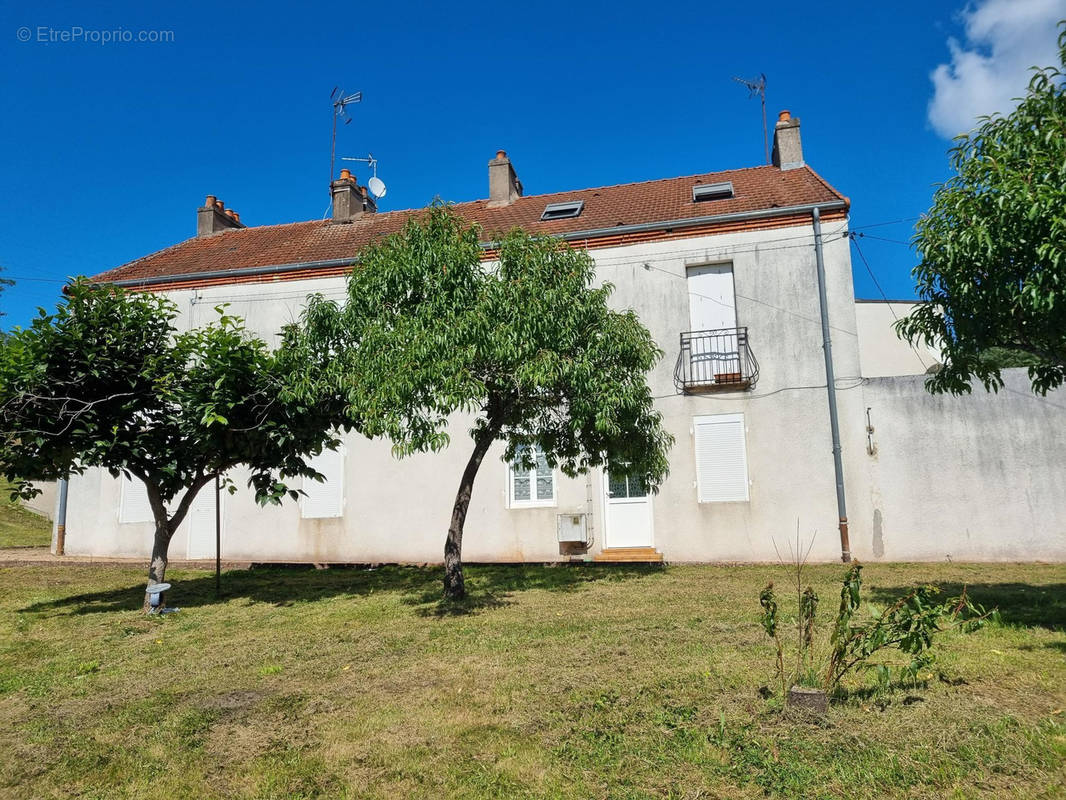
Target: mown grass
<point>554,682</point>
<point>20,527</point>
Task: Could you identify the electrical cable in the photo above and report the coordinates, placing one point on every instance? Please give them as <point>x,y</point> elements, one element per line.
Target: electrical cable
<point>884,297</point>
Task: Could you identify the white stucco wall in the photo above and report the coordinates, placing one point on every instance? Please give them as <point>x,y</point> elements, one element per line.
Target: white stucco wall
<point>977,477</point>
<point>926,470</point>
<point>881,352</point>
<point>398,511</point>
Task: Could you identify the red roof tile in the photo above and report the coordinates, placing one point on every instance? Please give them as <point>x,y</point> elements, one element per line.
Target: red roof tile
<point>755,189</point>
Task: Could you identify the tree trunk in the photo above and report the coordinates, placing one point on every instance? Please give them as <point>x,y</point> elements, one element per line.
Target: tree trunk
<point>454,586</point>
<point>157,569</point>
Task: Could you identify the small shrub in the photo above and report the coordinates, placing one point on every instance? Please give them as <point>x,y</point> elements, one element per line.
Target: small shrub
<point>908,625</point>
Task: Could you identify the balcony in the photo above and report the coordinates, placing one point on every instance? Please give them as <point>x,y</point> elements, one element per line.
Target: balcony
<point>718,360</point>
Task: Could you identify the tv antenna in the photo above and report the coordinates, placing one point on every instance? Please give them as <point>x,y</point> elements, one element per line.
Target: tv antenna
<point>757,86</point>
<point>375,184</point>
<point>340,101</point>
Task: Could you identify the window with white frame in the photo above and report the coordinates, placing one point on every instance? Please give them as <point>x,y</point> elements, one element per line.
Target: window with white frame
<point>324,498</point>
<point>721,458</point>
<point>531,487</point>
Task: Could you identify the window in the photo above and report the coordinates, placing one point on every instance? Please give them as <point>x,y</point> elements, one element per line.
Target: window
<point>134,505</point>
<point>625,487</point>
<point>712,191</point>
<point>324,498</point>
<point>721,458</point>
<point>531,487</point>
<point>562,210</point>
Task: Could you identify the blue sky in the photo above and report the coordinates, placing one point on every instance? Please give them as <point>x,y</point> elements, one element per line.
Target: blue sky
<point>109,148</point>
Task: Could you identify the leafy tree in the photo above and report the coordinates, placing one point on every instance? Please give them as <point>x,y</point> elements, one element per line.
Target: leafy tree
<point>107,381</point>
<point>993,247</point>
<point>527,346</point>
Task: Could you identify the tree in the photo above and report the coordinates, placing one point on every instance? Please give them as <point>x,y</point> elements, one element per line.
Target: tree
<point>527,346</point>
<point>107,381</point>
<point>993,247</point>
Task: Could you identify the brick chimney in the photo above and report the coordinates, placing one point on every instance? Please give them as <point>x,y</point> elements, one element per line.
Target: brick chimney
<point>214,217</point>
<point>504,186</point>
<point>788,150</point>
<point>350,200</point>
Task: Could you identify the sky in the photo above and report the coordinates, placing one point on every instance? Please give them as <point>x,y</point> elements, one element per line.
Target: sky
<point>110,143</point>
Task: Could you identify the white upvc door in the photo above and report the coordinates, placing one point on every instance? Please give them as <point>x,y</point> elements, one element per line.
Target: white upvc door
<point>201,523</point>
<point>627,512</point>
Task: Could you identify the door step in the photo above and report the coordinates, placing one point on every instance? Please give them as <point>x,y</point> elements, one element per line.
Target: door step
<point>631,555</point>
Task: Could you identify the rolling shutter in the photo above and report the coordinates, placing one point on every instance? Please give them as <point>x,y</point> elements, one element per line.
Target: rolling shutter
<point>721,458</point>
<point>201,522</point>
<point>325,498</point>
<point>133,505</point>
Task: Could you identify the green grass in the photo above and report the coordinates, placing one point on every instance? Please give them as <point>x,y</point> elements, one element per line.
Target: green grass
<point>564,682</point>
<point>20,527</point>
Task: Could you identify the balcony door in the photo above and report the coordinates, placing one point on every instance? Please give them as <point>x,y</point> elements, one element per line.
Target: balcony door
<point>712,306</point>
<point>712,303</point>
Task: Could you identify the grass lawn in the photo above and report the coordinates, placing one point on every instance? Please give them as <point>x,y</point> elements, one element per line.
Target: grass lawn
<point>565,682</point>
<point>19,527</point>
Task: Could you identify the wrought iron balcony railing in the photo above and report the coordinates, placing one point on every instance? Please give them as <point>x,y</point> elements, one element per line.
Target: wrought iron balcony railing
<point>715,360</point>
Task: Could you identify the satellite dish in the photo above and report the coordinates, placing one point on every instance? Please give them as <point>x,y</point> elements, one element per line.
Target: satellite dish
<point>376,186</point>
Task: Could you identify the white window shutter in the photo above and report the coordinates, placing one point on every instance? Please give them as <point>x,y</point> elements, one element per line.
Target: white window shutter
<point>134,505</point>
<point>721,458</point>
<point>325,499</point>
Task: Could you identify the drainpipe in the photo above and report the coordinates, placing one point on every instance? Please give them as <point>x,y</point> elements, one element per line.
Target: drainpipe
<point>830,383</point>
<point>61,518</point>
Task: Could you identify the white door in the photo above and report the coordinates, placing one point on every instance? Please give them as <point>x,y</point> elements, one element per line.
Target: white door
<point>201,523</point>
<point>627,512</point>
<point>712,308</point>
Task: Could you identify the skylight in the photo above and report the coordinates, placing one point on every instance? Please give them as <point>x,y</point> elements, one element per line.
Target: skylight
<point>712,191</point>
<point>562,210</point>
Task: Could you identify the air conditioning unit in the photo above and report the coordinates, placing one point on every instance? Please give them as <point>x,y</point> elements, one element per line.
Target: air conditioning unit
<point>573,528</point>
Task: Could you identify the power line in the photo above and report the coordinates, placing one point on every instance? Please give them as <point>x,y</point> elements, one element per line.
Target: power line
<point>883,224</point>
<point>884,297</point>
<point>710,396</point>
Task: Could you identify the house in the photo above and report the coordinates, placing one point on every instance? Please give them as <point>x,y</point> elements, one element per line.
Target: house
<point>722,267</point>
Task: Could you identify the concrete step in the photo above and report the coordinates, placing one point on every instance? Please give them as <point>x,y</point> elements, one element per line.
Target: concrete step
<point>630,555</point>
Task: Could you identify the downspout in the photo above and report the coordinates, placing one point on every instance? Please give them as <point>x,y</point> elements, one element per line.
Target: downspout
<point>61,518</point>
<point>830,384</point>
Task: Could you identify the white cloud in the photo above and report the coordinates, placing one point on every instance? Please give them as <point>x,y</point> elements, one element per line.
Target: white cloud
<point>1004,38</point>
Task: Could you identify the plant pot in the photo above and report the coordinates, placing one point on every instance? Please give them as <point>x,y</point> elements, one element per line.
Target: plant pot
<point>727,377</point>
<point>813,700</point>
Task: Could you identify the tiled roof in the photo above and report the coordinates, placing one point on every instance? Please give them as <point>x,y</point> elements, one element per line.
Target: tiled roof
<point>755,189</point>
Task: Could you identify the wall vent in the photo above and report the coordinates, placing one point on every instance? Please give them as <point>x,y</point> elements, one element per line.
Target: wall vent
<point>562,210</point>
<point>702,192</point>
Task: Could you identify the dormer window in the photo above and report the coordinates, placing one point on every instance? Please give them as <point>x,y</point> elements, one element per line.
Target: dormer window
<point>703,192</point>
<point>562,210</point>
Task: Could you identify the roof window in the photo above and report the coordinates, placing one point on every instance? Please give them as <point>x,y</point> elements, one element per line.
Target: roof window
<point>712,191</point>
<point>562,210</point>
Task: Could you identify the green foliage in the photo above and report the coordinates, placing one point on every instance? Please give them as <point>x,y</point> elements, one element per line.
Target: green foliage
<point>528,346</point>
<point>908,625</point>
<point>108,381</point>
<point>993,248</point>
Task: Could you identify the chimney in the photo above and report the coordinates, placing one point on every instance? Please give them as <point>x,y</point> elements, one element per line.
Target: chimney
<point>350,200</point>
<point>788,151</point>
<point>214,217</point>
<point>504,186</point>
